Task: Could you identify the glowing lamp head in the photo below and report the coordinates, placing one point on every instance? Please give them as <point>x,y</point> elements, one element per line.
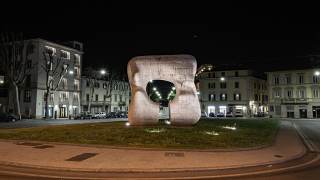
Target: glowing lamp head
<point>71,72</point>
<point>222,79</point>
<point>103,72</point>
<point>317,73</point>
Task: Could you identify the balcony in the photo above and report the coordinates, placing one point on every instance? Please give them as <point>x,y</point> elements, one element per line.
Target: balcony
<point>296,100</point>
<point>95,103</point>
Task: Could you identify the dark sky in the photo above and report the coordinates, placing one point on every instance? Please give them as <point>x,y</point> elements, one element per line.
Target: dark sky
<point>218,33</point>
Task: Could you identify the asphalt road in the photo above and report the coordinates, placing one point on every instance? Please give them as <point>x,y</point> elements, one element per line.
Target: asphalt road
<point>310,128</point>
<point>48,122</point>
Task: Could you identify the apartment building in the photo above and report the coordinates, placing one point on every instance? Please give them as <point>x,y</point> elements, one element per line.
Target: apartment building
<point>98,97</point>
<point>294,93</point>
<point>64,101</point>
<point>231,91</point>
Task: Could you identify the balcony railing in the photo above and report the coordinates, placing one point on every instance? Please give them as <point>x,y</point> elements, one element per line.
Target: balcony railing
<point>95,102</point>
<point>296,100</point>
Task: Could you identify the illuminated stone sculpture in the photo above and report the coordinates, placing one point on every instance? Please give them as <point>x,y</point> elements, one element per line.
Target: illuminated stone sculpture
<point>178,69</point>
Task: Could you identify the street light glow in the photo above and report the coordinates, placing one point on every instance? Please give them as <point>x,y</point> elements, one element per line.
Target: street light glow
<point>1,81</point>
<point>155,89</point>
<point>71,72</point>
<point>103,72</point>
<point>222,79</point>
<point>317,73</point>
<point>173,88</point>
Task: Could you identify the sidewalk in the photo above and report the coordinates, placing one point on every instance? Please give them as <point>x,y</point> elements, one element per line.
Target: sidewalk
<point>287,146</point>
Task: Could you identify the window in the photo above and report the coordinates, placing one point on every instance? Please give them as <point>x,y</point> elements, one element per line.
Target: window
<point>28,81</point>
<point>211,85</point>
<point>301,79</point>
<point>288,79</point>
<point>29,64</point>
<point>236,74</point>
<point>236,84</point>
<point>223,97</point>
<point>88,83</point>
<point>315,79</point>
<point>64,83</point>
<point>276,93</point>
<point>76,71</point>
<point>97,97</point>
<point>76,97</point>
<point>276,80</point>
<point>76,85</point>
<point>115,98</point>
<point>223,85</point>
<point>289,93</point>
<point>212,97</point>
<point>50,50</point>
<point>120,97</point>
<point>97,85</point>
<point>64,96</point>
<point>301,93</point>
<point>27,95</point>
<point>237,97</point>
<point>88,97</point>
<point>256,97</point>
<point>254,85</point>
<point>65,54</point>
<point>315,93</point>
<point>211,75</point>
<point>223,73</point>
<point>104,85</point>
<point>104,97</point>
<point>259,86</point>
<point>77,59</point>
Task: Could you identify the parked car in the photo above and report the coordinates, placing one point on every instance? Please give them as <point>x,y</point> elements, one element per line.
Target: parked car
<point>229,114</point>
<point>211,114</point>
<point>5,117</point>
<point>260,114</point>
<point>122,114</point>
<point>220,114</point>
<point>83,116</point>
<point>99,115</point>
<point>112,115</point>
<point>238,113</point>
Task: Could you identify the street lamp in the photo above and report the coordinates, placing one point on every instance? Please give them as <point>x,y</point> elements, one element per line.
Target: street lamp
<point>317,73</point>
<point>222,79</point>
<point>155,89</point>
<point>1,81</point>
<point>103,72</point>
<point>71,72</point>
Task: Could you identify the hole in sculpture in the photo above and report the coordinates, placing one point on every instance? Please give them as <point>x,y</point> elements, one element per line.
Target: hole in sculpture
<point>162,92</point>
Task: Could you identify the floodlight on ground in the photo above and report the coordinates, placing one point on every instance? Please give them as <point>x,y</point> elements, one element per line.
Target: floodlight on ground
<point>127,124</point>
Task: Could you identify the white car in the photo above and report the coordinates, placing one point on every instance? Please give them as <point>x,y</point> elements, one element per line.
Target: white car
<point>99,115</point>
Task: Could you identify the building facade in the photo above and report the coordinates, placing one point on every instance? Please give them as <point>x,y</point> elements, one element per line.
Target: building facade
<point>64,101</point>
<point>294,93</point>
<point>234,92</point>
<point>98,96</point>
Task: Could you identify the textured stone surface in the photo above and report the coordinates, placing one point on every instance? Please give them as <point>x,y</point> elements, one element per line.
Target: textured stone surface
<point>178,69</point>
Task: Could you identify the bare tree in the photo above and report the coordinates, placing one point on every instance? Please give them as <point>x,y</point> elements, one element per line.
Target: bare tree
<point>92,78</point>
<point>115,81</point>
<point>14,63</point>
<point>55,69</point>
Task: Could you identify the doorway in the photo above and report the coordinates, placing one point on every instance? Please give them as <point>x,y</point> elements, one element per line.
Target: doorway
<point>316,111</point>
<point>62,112</point>
<point>303,113</point>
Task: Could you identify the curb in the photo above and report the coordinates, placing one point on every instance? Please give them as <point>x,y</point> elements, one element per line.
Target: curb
<point>311,146</point>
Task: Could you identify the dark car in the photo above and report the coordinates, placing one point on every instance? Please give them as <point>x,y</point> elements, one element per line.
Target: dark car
<point>211,114</point>
<point>229,114</point>
<point>122,114</point>
<point>83,116</point>
<point>8,117</point>
<point>220,114</point>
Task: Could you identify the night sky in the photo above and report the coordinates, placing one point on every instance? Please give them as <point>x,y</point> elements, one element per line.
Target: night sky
<point>260,35</point>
